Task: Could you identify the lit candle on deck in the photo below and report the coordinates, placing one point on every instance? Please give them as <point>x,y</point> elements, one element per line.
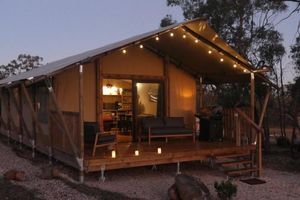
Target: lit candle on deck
<point>113,154</point>
<point>159,150</point>
<point>136,153</point>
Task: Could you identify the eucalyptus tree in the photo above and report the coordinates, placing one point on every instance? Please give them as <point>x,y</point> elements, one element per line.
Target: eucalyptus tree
<point>24,62</point>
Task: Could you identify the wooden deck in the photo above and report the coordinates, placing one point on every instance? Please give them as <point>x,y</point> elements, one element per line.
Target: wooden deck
<point>172,152</point>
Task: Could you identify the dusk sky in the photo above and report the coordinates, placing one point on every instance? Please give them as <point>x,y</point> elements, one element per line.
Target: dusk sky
<point>54,29</point>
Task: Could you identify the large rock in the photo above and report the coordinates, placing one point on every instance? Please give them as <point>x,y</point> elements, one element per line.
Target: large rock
<point>173,193</point>
<point>15,175</point>
<point>189,188</point>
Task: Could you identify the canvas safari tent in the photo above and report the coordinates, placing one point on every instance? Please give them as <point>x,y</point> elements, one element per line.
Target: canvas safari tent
<point>160,73</point>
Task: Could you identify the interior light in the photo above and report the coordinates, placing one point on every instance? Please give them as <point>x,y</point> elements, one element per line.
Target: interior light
<point>245,70</point>
<point>196,41</point>
<point>184,36</point>
<point>136,153</point>
<point>124,51</point>
<point>156,38</point>
<point>222,59</point>
<point>141,46</point>
<point>209,52</point>
<point>171,34</point>
<point>234,65</point>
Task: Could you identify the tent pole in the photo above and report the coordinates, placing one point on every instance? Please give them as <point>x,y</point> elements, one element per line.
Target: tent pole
<point>166,86</point>
<point>81,119</point>
<point>252,102</point>
<point>201,92</point>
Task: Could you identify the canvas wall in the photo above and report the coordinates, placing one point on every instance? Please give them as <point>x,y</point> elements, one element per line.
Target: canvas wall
<point>66,88</point>
<point>182,95</point>
<point>136,61</point>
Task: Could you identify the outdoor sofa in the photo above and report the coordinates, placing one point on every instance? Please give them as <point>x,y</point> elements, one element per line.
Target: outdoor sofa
<point>167,127</point>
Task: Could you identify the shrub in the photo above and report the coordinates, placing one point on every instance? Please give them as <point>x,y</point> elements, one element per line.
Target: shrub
<point>283,141</point>
<point>225,189</point>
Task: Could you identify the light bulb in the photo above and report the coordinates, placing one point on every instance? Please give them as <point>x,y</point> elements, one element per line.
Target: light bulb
<point>113,154</point>
<point>222,59</point>
<point>159,150</point>
<point>234,65</point>
<point>171,34</point>
<point>141,46</point>
<point>196,41</point>
<point>124,51</point>
<point>157,38</point>
<point>209,52</point>
<point>184,36</point>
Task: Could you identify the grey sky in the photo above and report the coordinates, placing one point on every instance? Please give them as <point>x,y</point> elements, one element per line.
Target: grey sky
<point>55,29</point>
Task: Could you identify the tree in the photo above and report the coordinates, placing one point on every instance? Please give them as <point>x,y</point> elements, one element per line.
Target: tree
<point>167,21</point>
<point>24,62</point>
<point>248,26</point>
<point>295,54</point>
<point>294,89</point>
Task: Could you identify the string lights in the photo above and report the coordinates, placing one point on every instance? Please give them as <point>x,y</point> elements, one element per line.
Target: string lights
<point>235,65</point>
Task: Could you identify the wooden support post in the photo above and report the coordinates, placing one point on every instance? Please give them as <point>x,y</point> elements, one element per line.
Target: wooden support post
<point>99,95</point>
<point>81,119</point>
<point>97,74</point>
<point>22,122</point>
<point>166,86</point>
<point>237,123</point>
<point>21,118</point>
<point>9,119</point>
<point>32,109</point>
<point>34,123</point>
<point>252,103</point>
<point>259,138</point>
<point>1,110</point>
<point>75,150</point>
<point>201,98</point>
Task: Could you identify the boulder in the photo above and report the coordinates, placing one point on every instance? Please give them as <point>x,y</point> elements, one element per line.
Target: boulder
<point>15,175</point>
<point>190,188</point>
<point>173,193</point>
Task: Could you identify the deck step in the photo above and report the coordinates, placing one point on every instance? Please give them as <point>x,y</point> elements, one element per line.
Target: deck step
<point>235,162</point>
<point>241,171</point>
<point>231,155</point>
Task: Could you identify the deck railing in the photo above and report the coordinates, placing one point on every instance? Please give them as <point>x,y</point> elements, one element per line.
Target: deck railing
<point>231,126</point>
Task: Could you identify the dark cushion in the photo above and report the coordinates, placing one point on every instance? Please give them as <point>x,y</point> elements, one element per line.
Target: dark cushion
<point>170,131</point>
<point>174,122</point>
<point>102,139</point>
<point>152,122</point>
<point>90,131</point>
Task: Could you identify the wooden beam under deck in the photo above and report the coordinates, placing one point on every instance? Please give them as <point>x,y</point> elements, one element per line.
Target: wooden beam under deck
<point>172,152</point>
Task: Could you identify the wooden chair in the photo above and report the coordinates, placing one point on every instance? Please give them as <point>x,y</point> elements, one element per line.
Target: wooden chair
<point>93,136</point>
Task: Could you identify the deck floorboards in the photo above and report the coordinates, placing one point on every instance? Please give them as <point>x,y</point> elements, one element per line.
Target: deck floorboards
<point>172,152</point>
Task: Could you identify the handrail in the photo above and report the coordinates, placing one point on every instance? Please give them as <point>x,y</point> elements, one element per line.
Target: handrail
<point>242,114</point>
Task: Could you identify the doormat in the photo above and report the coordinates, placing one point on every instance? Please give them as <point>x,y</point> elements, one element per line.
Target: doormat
<point>253,181</point>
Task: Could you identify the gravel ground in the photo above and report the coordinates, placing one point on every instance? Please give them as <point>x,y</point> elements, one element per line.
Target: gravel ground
<point>144,183</point>
<point>44,189</point>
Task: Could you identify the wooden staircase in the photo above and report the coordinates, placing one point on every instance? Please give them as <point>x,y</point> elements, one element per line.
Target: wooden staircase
<point>235,165</point>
